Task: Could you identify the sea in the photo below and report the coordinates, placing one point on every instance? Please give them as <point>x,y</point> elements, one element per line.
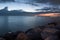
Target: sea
<point>23,23</point>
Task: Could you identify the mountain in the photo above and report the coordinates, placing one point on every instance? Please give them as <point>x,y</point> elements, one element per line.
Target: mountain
<point>5,12</point>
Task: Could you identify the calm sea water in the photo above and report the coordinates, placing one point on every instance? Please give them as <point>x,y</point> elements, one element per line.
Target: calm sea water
<point>15,23</point>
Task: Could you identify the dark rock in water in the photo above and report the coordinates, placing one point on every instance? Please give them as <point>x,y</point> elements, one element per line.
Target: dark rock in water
<point>52,37</point>
<point>41,27</point>
<point>17,32</point>
<point>9,36</point>
<point>53,23</point>
<point>34,34</point>
<point>29,30</point>
<point>55,36</point>
<point>2,39</point>
<point>47,32</point>
<point>57,27</point>
<point>21,36</point>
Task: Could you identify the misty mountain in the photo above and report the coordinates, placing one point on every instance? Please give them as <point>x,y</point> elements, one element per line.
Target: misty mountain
<point>5,12</point>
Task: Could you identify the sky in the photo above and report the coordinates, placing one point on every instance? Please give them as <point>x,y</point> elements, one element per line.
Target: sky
<point>29,5</point>
<point>49,14</point>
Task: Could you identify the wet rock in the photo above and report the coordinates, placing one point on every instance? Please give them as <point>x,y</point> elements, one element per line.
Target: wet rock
<point>35,34</point>
<point>47,32</point>
<point>52,37</point>
<point>22,36</point>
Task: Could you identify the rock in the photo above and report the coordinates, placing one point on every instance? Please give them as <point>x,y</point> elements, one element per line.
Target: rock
<point>47,32</point>
<point>34,34</point>
<point>22,36</point>
<point>52,37</point>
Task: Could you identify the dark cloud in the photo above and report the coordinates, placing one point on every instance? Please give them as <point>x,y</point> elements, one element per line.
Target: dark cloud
<point>7,0</point>
<point>55,2</point>
<point>41,1</point>
<point>51,9</point>
<point>52,2</point>
<point>34,4</point>
<point>45,8</point>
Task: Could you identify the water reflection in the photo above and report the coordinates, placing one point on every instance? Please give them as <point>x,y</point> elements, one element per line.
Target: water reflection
<point>15,23</point>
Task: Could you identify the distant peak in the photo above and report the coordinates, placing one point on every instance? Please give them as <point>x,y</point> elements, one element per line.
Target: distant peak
<point>5,8</point>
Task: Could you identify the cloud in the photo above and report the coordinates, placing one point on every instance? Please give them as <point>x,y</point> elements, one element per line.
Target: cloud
<point>33,2</point>
<point>7,0</point>
<point>49,14</point>
<point>41,1</point>
<point>51,2</point>
<point>45,8</point>
<point>55,2</point>
<point>49,9</point>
